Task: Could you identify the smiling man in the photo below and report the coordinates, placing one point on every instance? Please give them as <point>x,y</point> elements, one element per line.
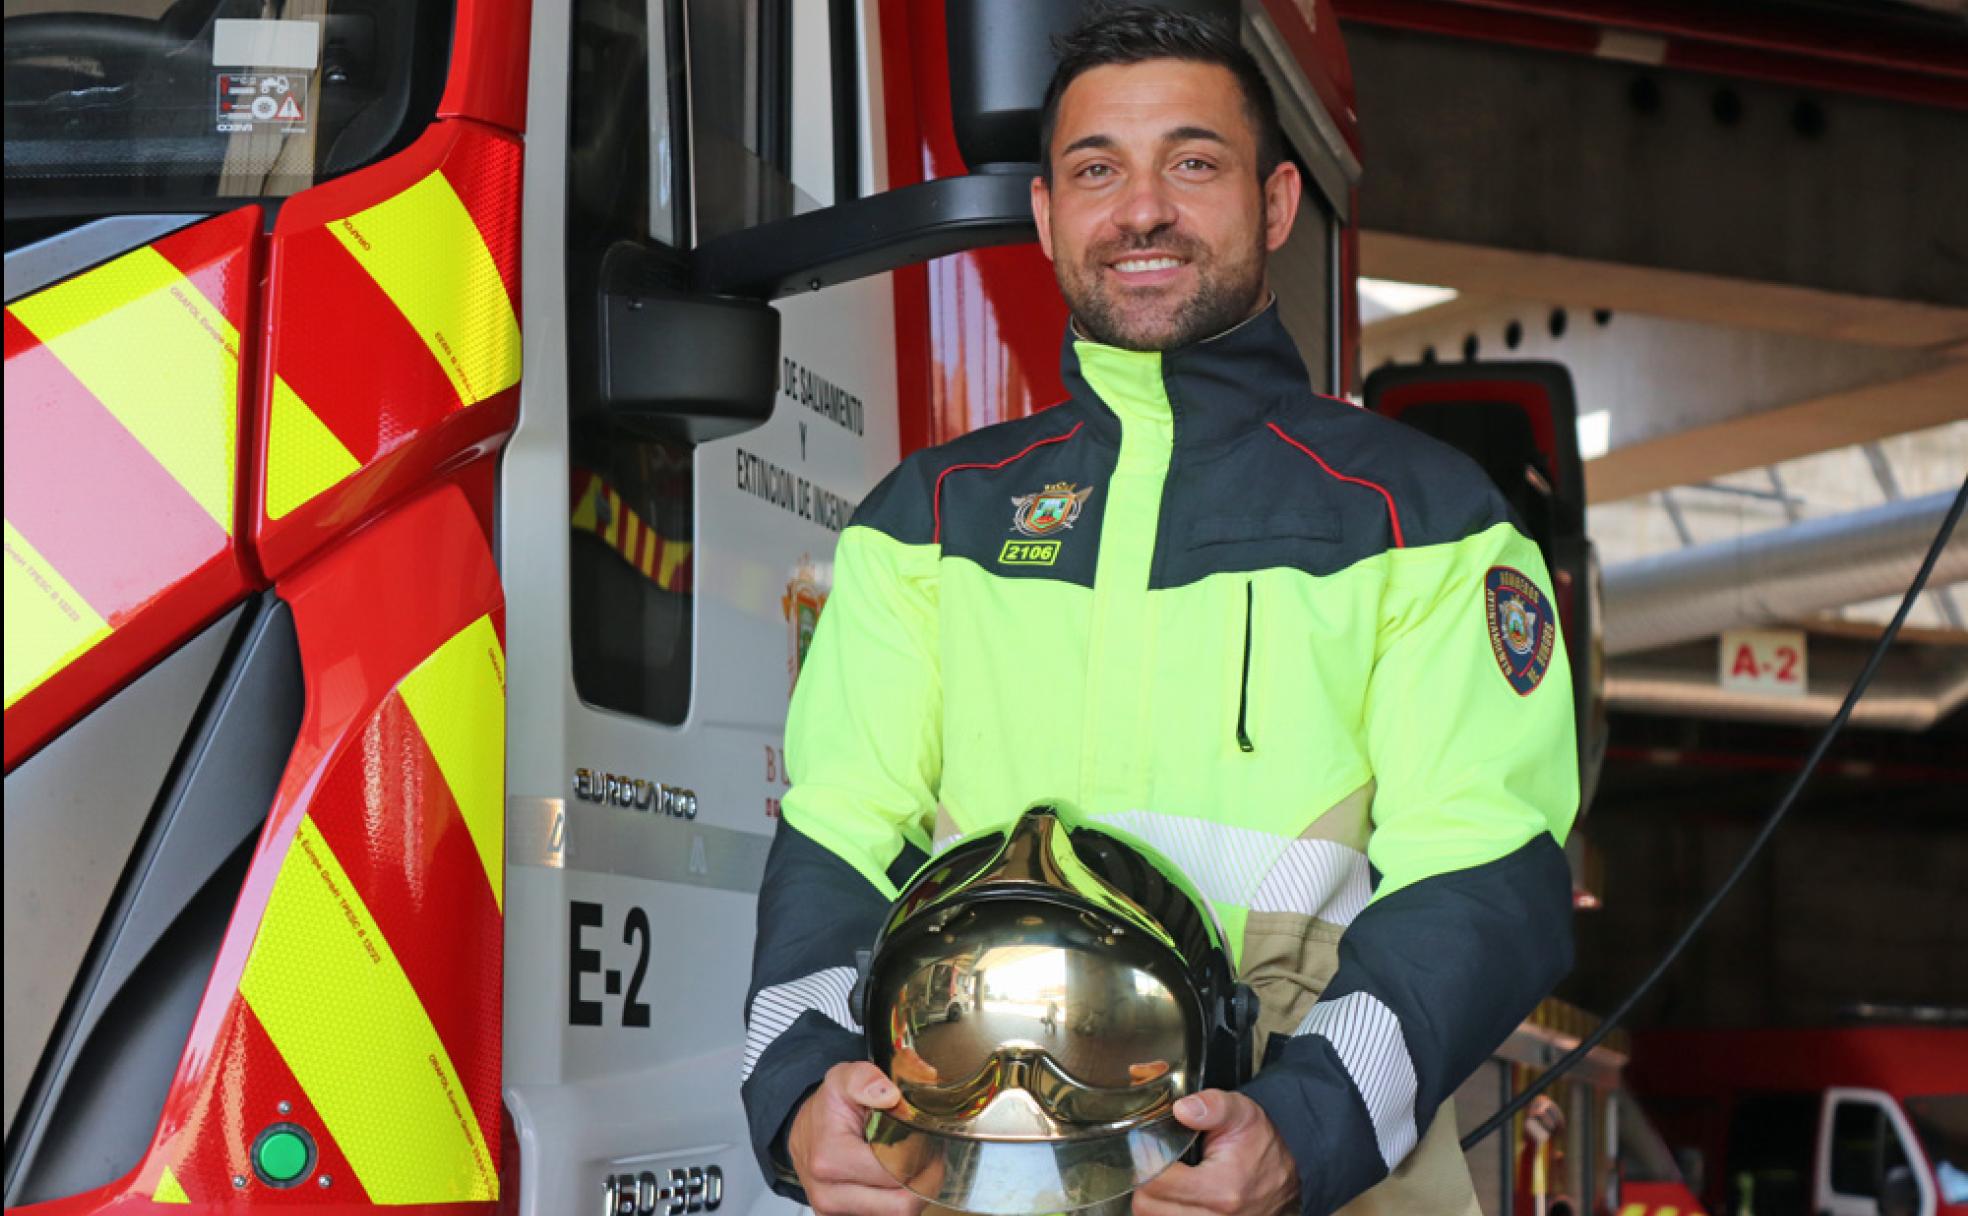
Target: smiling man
<point>1256,628</point>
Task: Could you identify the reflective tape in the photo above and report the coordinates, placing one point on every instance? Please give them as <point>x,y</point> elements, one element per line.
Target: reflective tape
<point>1367,1037</point>
<point>1320,878</point>
<point>48,621</point>
<point>334,1001</point>
<point>598,508</point>
<point>422,248</point>
<point>160,356</point>
<point>458,698</point>
<point>303,457</point>
<point>775,1009</point>
<point>1225,862</point>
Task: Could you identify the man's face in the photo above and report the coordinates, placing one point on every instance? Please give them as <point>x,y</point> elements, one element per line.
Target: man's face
<point>1156,222</point>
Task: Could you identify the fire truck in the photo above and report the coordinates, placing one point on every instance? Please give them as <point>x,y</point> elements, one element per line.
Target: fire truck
<point>427,429</point>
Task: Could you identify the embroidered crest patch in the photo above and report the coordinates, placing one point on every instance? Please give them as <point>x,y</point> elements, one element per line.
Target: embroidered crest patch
<point>1523,628</point>
<point>1052,509</point>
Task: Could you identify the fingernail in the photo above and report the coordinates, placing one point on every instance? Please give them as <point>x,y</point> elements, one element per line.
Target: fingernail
<point>1191,1107</point>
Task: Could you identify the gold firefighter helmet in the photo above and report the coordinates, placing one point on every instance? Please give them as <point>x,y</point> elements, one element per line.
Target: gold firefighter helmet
<point>1041,997</point>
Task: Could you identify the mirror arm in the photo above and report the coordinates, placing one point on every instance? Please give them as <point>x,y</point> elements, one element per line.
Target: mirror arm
<point>867,236</point>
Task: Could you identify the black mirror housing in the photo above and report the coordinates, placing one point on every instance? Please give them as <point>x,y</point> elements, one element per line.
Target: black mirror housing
<point>681,365</point>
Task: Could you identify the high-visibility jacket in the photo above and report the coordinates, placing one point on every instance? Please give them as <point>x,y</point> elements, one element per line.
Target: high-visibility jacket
<point>1302,650</point>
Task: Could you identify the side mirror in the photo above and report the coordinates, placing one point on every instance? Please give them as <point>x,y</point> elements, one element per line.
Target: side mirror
<point>1899,1193</point>
<point>677,364</point>
<point>1519,421</point>
<point>1000,61</point>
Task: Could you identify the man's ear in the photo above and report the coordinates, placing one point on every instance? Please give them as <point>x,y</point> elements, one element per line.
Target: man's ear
<point>1281,194</point>
<point>1042,214</point>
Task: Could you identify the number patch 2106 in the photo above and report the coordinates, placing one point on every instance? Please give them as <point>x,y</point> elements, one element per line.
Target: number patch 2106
<point>584,963</point>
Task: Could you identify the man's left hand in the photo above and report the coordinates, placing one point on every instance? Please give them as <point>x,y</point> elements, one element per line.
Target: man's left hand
<point>1245,1171</point>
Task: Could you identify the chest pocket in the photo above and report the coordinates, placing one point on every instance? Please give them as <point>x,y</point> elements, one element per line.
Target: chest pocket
<point>1282,530</point>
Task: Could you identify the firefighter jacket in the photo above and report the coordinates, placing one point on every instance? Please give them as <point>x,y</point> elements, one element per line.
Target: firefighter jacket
<point>1301,650</point>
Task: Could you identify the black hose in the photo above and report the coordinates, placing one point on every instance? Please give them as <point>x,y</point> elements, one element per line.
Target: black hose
<point>1763,835</point>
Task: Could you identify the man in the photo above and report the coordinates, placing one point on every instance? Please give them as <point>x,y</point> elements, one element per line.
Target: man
<point>1259,629</point>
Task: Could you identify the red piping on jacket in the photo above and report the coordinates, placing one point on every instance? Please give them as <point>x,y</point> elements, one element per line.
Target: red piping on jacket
<point>1393,516</point>
<point>937,502</point>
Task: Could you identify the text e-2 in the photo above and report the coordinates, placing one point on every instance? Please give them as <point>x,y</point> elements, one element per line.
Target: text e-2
<point>584,961</point>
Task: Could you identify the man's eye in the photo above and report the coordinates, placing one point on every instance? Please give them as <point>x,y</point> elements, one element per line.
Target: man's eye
<point>1096,170</point>
<point>1194,164</point>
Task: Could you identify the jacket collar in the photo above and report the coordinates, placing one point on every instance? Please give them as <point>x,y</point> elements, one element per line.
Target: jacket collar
<point>1211,390</point>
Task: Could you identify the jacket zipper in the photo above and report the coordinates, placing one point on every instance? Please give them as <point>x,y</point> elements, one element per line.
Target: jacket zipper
<point>1243,685</point>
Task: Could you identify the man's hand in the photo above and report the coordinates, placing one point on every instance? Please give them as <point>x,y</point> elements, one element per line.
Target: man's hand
<point>1246,1170</point>
<point>830,1152</point>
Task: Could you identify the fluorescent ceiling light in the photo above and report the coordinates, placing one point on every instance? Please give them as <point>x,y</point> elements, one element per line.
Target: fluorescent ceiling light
<point>1383,298</point>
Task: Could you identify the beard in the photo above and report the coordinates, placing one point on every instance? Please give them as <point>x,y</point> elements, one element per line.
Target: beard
<point>1226,292</point>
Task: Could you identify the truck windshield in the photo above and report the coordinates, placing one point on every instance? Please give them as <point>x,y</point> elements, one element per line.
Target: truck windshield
<point>1941,1121</point>
<point>166,105</point>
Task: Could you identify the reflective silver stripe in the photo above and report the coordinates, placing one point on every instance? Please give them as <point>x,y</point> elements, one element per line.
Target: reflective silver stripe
<point>1258,870</point>
<point>1226,863</point>
<point>1321,878</point>
<point>778,1007</point>
<point>1367,1037</point>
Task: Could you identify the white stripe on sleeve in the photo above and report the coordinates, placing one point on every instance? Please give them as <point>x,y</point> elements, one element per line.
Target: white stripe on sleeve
<point>775,1009</point>
<point>1367,1037</point>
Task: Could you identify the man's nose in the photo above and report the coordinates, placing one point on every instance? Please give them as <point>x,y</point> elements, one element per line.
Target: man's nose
<point>1145,206</point>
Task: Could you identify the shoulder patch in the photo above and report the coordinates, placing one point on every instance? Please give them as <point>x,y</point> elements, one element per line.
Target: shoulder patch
<point>1523,626</point>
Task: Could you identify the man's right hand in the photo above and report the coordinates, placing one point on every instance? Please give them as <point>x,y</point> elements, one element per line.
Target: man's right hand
<point>829,1147</point>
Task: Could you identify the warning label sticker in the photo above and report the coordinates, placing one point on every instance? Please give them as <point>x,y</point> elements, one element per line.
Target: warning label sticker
<point>253,101</point>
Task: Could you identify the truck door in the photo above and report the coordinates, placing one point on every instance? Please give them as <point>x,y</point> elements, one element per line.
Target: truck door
<point>669,508</point>
<point>1862,1137</point>
<point>1519,421</point>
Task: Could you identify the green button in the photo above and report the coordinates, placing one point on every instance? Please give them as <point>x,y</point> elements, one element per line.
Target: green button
<point>283,1156</point>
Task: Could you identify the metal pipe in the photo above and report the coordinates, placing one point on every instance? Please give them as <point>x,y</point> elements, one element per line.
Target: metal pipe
<point>1778,575</point>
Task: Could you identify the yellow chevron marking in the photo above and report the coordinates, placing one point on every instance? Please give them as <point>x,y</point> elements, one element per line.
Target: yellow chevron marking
<point>169,1189</point>
<point>304,457</point>
<point>160,356</point>
<point>48,622</point>
<point>328,989</point>
<point>458,698</point>
<point>584,511</point>
<point>631,536</point>
<point>675,553</point>
<point>423,250</point>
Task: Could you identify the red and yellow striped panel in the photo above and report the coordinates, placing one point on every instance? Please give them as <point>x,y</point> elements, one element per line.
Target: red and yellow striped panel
<point>122,439</point>
<point>598,508</point>
<point>363,969</point>
<point>394,309</point>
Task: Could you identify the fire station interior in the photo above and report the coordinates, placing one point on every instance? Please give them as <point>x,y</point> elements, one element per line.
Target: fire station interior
<point>1752,280</point>
<point>1733,239</point>
<point>1751,287</point>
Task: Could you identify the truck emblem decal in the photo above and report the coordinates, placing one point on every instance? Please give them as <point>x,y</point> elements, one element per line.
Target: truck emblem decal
<point>801,606</point>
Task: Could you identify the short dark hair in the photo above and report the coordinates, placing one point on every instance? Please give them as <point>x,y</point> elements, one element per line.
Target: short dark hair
<point>1137,34</point>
